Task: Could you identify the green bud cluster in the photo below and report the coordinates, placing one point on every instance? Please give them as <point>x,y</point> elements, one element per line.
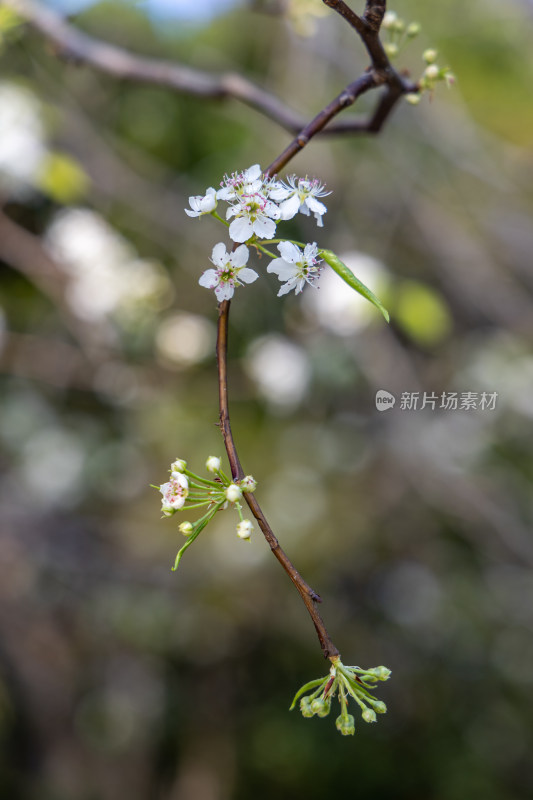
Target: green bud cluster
<point>186,490</point>
<point>344,683</point>
<point>397,33</point>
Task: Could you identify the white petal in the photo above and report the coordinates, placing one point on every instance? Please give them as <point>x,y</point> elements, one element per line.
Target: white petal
<point>252,173</point>
<point>226,193</point>
<point>219,255</point>
<point>232,210</point>
<point>278,192</point>
<point>264,227</point>
<point>319,220</point>
<point>247,275</point>
<point>290,207</point>
<point>224,292</point>
<point>315,205</point>
<point>285,289</point>
<point>192,213</point>
<point>239,257</point>
<point>282,269</point>
<point>209,279</point>
<point>194,202</point>
<point>310,251</point>
<point>290,252</point>
<point>271,210</point>
<point>304,210</point>
<point>241,229</point>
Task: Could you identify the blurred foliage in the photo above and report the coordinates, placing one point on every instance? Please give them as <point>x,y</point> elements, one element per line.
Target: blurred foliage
<point>119,678</point>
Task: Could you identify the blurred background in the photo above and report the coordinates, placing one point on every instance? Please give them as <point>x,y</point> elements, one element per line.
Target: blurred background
<point>119,678</point>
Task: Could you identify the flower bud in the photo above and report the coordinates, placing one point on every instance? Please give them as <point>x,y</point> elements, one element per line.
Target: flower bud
<point>381,673</point>
<point>213,464</point>
<point>430,56</point>
<point>432,72</point>
<point>179,465</point>
<point>399,26</point>
<point>389,20</point>
<point>391,49</point>
<point>233,493</point>
<point>413,99</point>
<point>368,715</point>
<point>345,724</point>
<point>244,529</point>
<point>186,528</point>
<point>379,707</point>
<point>305,707</point>
<point>167,510</point>
<point>413,29</point>
<point>320,707</point>
<point>248,484</point>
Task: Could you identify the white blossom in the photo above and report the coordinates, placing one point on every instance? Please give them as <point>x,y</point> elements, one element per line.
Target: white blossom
<point>174,494</point>
<point>254,213</point>
<point>238,184</point>
<point>202,204</point>
<point>295,267</point>
<point>300,194</point>
<point>230,271</point>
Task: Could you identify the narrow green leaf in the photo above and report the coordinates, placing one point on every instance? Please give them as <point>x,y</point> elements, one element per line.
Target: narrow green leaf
<point>348,277</point>
<point>306,688</point>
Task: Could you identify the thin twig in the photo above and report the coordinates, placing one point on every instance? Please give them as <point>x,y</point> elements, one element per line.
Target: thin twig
<point>309,596</point>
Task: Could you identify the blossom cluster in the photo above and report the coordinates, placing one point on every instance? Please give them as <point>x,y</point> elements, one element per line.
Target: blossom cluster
<point>256,203</point>
<point>186,490</point>
<point>343,682</point>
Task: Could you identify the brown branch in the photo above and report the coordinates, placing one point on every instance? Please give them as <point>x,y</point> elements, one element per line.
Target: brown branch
<point>367,27</point>
<point>120,63</point>
<point>308,595</point>
<point>72,44</point>
<point>346,98</point>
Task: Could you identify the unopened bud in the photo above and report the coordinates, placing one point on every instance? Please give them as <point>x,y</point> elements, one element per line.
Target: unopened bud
<point>179,465</point>
<point>233,493</point>
<point>430,56</point>
<point>399,26</point>
<point>413,99</point>
<point>244,529</point>
<point>186,528</point>
<point>432,73</point>
<point>379,707</point>
<point>391,49</point>
<point>213,464</point>
<point>389,20</point>
<point>381,673</point>
<point>248,484</point>
<point>345,724</point>
<point>305,707</point>
<point>320,707</point>
<point>368,715</point>
<point>413,29</point>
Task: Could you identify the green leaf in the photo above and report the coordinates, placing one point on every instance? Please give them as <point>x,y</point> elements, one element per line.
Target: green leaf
<point>304,689</point>
<point>348,277</point>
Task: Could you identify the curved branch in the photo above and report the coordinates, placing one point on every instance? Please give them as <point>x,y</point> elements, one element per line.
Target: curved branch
<point>120,63</point>
<point>308,595</point>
